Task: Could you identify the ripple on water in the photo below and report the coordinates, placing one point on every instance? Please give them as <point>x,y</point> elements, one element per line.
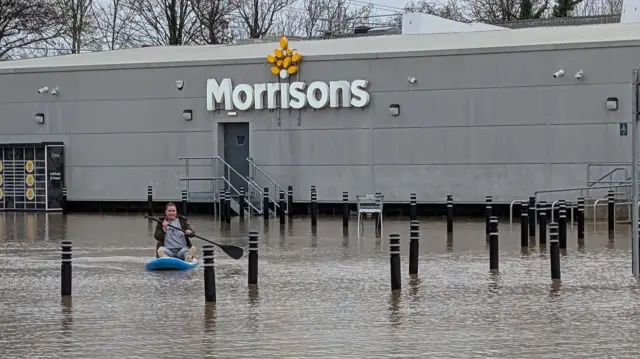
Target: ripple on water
<point>319,296</point>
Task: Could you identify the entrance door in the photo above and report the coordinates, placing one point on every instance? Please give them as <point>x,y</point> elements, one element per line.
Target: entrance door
<point>236,151</point>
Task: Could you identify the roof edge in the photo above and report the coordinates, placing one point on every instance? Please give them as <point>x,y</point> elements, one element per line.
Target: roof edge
<point>334,57</point>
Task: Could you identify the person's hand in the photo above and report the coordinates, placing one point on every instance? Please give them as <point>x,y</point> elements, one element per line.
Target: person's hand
<point>165,224</point>
<point>188,232</point>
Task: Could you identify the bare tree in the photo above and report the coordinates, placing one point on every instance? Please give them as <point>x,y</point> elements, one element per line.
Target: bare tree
<point>113,21</point>
<point>164,22</point>
<point>340,17</point>
<point>78,24</point>
<point>597,7</point>
<point>26,23</point>
<point>213,17</point>
<point>258,16</point>
<point>450,10</point>
<point>505,10</point>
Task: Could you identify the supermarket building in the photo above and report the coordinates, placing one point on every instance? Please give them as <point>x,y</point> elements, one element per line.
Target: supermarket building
<point>497,112</point>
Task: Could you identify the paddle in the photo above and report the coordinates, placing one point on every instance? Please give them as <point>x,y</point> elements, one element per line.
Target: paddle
<point>234,252</point>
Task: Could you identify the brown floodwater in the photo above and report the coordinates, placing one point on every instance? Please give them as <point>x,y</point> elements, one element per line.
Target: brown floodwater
<point>320,294</point>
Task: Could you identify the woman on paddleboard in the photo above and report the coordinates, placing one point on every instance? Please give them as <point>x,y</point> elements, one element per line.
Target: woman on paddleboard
<point>173,242</point>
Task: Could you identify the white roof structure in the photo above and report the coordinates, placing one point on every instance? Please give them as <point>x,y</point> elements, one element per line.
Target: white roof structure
<point>603,35</point>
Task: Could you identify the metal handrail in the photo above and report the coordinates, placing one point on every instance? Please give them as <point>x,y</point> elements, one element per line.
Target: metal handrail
<point>626,174</point>
<point>570,189</point>
<point>275,184</point>
<point>595,204</point>
<point>215,193</point>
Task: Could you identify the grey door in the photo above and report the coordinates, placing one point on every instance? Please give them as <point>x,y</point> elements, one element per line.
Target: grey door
<point>236,151</point>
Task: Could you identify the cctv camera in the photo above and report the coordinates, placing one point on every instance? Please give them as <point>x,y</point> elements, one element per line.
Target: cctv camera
<point>54,91</point>
<point>412,80</point>
<point>43,90</point>
<point>558,73</point>
<point>579,75</point>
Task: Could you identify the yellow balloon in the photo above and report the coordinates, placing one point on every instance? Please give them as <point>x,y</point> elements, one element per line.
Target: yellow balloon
<point>287,62</point>
<point>284,42</point>
<point>271,58</point>
<point>292,70</point>
<point>296,58</point>
<point>275,70</point>
<point>279,53</point>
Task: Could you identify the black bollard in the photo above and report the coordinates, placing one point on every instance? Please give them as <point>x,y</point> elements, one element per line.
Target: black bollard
<point>487,213</point>
<point>223,207</point>
<point>265,204</point>
<point>581,218</point>
<point>290,201</point>
<point>562,225</point>
<point>314,206</point>
<point>611,213</point>
<point>414,246</point>
<point>394,253</point>
<point>150,200</point>
<point>209,274</point>
<point>413,207</point>
<point>494,245</point>
<point>185,204</point>
<point>65,269</point>
<point>524,225</point>
<point>532,217</point>
<point>542,221</point>
<point>281,207</point>
<point>253,258</point>
<point>554,251</point>
<point>227,202</point>
<point>65,208</point>
<point>241,203</point>
<point>449,214</point>
<point>345,209</point>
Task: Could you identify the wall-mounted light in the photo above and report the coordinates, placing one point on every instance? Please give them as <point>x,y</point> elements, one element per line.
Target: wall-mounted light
<point>179,84</point>
<point>39,118</point>
<point>232,113</point>
<point>612,103</point>
<point>187,115</point>
<point>394,109</point>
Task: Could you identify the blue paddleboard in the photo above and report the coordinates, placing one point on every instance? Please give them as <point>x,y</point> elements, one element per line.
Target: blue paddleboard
<point>170,263</point>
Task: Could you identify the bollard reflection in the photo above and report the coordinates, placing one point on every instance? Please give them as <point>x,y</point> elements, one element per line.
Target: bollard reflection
<point>210,314</point>
<point>395,301</point>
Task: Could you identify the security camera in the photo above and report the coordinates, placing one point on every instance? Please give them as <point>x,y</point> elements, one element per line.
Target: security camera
<point>43,90</point>
<point>412,80</point>
<point>179,84</point>
<point>579,75</point>
<point>54,91</point>
<point>558,73</point>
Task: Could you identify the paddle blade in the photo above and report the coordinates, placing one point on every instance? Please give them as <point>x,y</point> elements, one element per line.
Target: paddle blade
<point>232,251</point>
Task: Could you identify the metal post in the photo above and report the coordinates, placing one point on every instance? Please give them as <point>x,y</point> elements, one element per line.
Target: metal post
<point>265,204</point>
<point>150,200</point>
<point>449,214</point>
<point>281,208</point>
<point>487,213</point>
<point>414,246</point>
<point>345,209</point>
<point>635,244</point>
<point>241,203</point>
<point>185,211</point>
<point>227,202</point>
<point>524,225</point>
<point>253,258</point>
<point>554,252</point>
<point>314,206</point>
<point>494,251</point>
<point>581,218</point>
<point>394,254</point>
<point>611,213</point>
<point>209,274</point>
<point>413,207</point>
<point>222,207</point>
<point>562,225</point>
<point>65,269</point>
<point>290,201</point>
<point>65,208</point>
<point>532,217</point>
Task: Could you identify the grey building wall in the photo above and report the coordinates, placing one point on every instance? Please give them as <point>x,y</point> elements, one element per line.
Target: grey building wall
<point>472,125</point>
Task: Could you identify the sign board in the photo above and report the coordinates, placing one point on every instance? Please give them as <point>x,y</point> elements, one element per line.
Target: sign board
<point>285,94</point>
<point>623,129</point>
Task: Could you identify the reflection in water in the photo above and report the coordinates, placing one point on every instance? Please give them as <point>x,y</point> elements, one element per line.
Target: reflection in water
<point>321,296</point>
<point>450,242</point>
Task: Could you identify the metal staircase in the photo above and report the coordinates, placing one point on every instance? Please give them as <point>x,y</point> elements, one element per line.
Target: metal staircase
<point>220,180</point>
<point>267,182</point>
